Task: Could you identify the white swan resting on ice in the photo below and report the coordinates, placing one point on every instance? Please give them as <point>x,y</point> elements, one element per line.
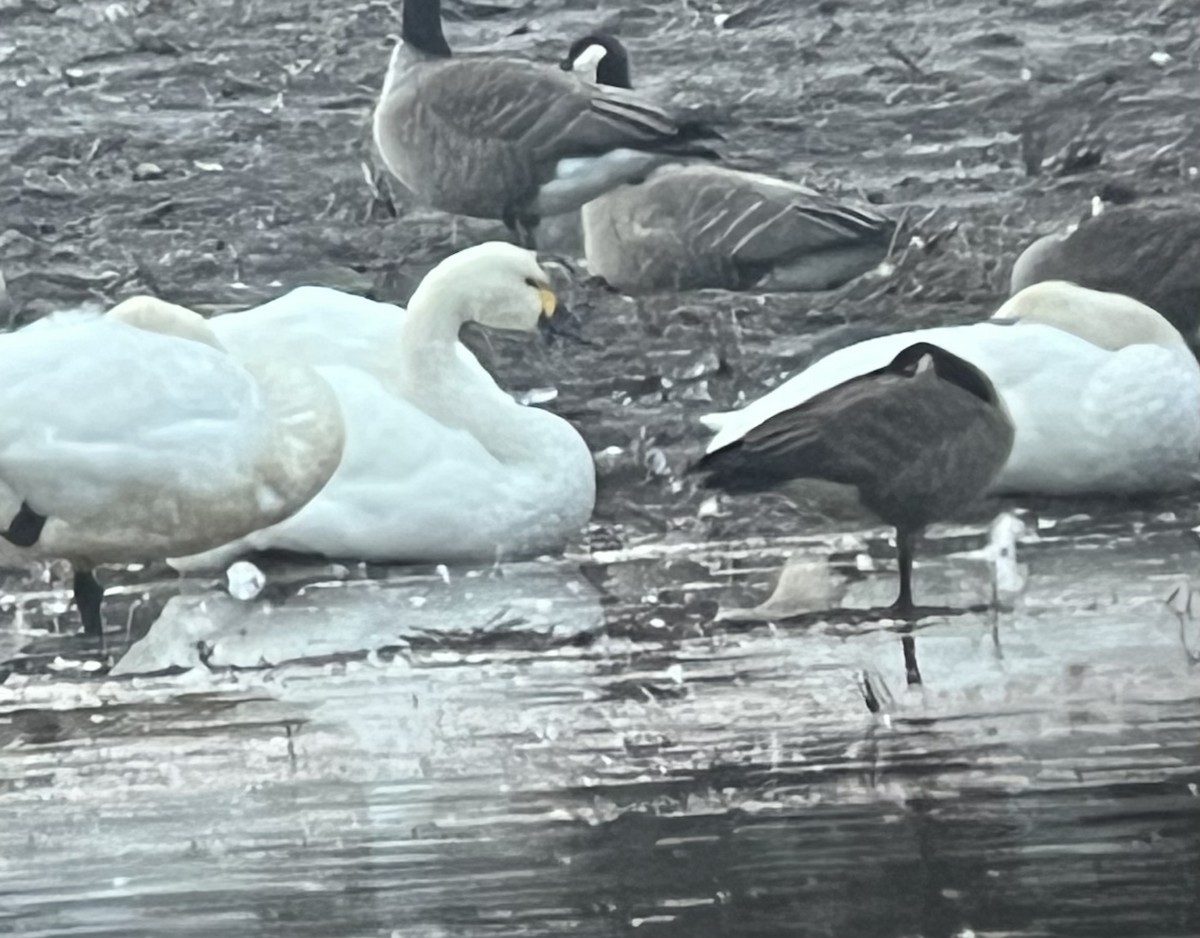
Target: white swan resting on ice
<point>440,464</point>
<point>1102,391</point>
<point>134,435</point>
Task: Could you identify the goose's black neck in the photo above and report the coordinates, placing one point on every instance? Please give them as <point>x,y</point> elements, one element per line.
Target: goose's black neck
<point>613,69</point>
<point>421,27</point>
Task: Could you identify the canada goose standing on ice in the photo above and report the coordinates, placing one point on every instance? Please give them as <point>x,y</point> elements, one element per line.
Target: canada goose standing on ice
<point>919,439</point>
<point>703,226</point>
<point>510,139</point>
<point>133,436</point>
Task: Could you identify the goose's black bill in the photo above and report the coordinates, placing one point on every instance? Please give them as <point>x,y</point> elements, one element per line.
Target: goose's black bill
<point>25,527</point>
<point>562,324</point>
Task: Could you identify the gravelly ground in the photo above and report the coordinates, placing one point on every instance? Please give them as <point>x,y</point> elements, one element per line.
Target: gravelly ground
<point>219,153</point>
<point>588,749</point>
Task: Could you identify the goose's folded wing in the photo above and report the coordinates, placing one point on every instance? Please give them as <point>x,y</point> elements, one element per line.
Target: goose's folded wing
<point>842,435</point>
<point>821,375</point>
<point>555,115</point>
<point>858,433</point>
<point>760,223</point>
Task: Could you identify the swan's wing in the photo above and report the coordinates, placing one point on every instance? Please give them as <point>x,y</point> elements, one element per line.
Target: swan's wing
<point>313,326</point>
<point>101,411</point>
<point>319,327</point>
<point>1141,408</point>
<point>408,488</point>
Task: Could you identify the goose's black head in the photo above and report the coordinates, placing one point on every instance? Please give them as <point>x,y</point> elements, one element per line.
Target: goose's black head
<point>602,52</point>
<point>921,356</point>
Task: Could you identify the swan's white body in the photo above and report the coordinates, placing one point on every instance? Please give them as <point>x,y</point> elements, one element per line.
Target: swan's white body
<point>1111,406</point>
<point>139,437</point>
<point>440,464</point>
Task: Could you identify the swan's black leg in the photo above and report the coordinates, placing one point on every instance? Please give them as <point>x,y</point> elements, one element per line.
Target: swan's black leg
<point>25,527</point>
<point>88,596</point>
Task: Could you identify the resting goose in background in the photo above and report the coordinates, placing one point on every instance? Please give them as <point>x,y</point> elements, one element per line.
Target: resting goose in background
<point>697,226</point>
<point>440,464</point>
<point>132,436</point>
<point>919,438</point>
<point>1152,255</point>
<point>1103,392</point>
<point>508,138</point>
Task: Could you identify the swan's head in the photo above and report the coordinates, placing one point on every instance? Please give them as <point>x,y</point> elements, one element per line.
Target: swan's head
<point>1109,320</point>
<point>495,284</point>
<point>599,57</point>
<point>155,315</point>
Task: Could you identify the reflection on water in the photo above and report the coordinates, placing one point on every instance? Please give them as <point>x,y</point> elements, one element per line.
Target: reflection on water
<point>546,753</point>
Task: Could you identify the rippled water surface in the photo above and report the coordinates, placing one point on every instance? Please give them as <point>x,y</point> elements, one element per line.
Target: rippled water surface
<point>604,744</point>
<point>543,753</point>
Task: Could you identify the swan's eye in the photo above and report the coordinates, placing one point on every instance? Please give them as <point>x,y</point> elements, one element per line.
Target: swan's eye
<point>530,282</point>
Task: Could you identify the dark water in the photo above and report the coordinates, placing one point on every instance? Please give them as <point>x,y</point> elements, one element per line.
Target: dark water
<point>584,747</point>
<point>546,754</point>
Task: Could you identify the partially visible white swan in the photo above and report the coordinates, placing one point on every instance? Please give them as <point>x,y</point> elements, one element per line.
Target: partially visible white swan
<point>134,435</point>
<point>1102,391</point>
<point>440,464</point>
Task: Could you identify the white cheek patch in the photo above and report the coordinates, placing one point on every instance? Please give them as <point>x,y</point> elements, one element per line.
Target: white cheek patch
<point>588,61</point>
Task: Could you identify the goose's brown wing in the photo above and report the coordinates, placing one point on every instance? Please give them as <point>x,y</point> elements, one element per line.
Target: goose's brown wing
<point>551,114</point>
<point>880,432</point>
<point>759,221</point>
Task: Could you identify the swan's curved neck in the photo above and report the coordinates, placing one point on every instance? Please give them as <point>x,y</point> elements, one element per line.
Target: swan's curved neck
<point>421,27</point>
<point>436,377</point>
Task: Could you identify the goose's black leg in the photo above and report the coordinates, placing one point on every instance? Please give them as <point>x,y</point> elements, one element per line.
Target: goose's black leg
<point>510,222</point>
<point>912,671</point>
<point>25,527</point>
<point>904,544</point>
<point>527,228</point>
<point>88,596</point>
<point>521,227</point>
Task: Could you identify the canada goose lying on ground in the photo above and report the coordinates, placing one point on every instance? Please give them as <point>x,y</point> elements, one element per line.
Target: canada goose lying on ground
<point>440,464</point>
<point>1152,255</point>
<point>1102,391</point>
<point>133,436</point>
<point>508,138</point>
<point>919,438</point>
<point>697,226</point>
